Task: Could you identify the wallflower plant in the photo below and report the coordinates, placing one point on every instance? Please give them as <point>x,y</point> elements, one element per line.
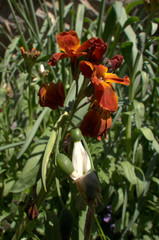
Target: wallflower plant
<point>89,60</point>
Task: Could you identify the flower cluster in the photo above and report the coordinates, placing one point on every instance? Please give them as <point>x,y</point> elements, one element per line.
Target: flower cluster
<point>104,100</point>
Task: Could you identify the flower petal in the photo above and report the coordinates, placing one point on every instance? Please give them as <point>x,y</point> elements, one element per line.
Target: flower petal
<point>51,95</point>
<point>91,123</point>
<point>80,159</point>
<point>56,57</point>
<point>96,122</point>
<point>105,95</point>
<point>106,122</point>
<point>100,71</point>
<point>86,45</point>
<point>61,93</point>
<point>68,40</point>
<point>86,68</point>
<point>116,62</point>
<point>110,77</point>
<point>97,50</point>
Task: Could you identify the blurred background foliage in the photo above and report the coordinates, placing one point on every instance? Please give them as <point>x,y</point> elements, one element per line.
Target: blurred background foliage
<point>126,162</point>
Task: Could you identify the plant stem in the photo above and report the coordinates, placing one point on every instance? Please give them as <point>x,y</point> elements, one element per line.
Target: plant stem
<point>30,97</point>
<point>129,120</point>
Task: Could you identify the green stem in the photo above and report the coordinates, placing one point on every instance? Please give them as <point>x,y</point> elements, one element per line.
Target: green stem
<point>131,97</point>
<point>30,98</point>
<point>89,221</point>
<point>100,229</point>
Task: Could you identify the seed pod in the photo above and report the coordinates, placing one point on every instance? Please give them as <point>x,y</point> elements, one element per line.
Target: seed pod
<point>66,223</point>
<point>65,163</point>
<point>76,135</point>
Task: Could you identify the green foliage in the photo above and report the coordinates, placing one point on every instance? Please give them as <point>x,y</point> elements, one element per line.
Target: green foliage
<point>126,162</point>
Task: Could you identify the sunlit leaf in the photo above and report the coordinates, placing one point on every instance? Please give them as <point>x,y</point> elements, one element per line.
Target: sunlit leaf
<point>129,171</point>
<point>140,185</point>
<point>32,133</point>
<point>139,113</point>
<point>26,180</point>
<point>148,134</point>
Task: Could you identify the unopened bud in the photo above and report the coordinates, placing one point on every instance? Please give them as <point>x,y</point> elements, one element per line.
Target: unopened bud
<point>89,187</point>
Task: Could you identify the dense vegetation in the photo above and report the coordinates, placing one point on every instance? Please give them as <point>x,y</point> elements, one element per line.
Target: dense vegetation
<point>42,103</point>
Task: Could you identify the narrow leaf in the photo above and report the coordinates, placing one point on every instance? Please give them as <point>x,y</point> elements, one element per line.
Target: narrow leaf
<point>118,200</point>
<point>79,20</point>
<point>32,133</point>
<point>49,149</point>
<point>26,180</point>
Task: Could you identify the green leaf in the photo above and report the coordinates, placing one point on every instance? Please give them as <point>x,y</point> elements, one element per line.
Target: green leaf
<point>140,185</point>
<point>145,81</point>
<point>118,200</point>
<point>155,145</point>
<point>34,159</point>
<point>139,155</point>
<point>109,24</point>
<point>26,180</point>
<point>140,112</point>
<point>46,157</point>
<point>100,17</point>
<point>69,100</point>
<point>32,133</point>
<point>122,18</point>
<point>129,172</point>
<point>79,20</point>
<point>130,21</point>
<point>12,145</point>
<point>7,187</point>
<point>8,55</point>
<point>126,49</point>
<point>49,149</point>
<point>148,134</point>
<point>154,27</point>
<point>133,4</point>
<point>52,230</point>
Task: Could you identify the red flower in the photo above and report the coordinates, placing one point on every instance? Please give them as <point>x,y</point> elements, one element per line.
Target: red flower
<point>70,44</point>
<point>51,95</point>
<point>102,81</point>
<point>115,62</point>
<point>97,49</point>
<point>96,122</point>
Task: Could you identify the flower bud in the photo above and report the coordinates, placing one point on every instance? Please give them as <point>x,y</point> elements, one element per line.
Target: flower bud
<point>89,187</point>
<point>76,135</point>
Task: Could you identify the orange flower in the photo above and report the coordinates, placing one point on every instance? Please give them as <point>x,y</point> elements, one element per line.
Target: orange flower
<point>96,122</point>
<point>70,44</point>
<point>102,81</point>
<point>96,47</point>
<point>51,95</point>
